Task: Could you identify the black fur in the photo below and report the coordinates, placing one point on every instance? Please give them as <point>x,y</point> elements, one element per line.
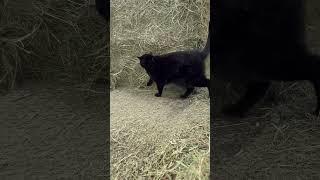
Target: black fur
<point>259,42</point>
<point>185,68</point>
<point>102,7</point>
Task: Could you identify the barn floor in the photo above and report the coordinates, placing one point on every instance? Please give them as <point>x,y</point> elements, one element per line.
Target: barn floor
<point>279,139</point>
<point>52,132</point>
<point>159,137</point>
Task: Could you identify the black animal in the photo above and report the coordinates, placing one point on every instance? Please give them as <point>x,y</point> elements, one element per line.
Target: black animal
<point>184,68</point>
<point>258,42</point>
<point>102,7</point>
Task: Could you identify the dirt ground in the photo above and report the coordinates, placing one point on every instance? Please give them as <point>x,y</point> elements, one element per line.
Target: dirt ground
<point>52,132</point>
<point>164,137</point>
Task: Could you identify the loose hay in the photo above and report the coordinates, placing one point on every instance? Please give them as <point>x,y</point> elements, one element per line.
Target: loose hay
<point>154,138</point>
<point>139,27</point>
<point>51,39</point>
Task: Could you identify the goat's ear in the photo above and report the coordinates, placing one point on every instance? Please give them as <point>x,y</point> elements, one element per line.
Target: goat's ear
<point>139,57</point>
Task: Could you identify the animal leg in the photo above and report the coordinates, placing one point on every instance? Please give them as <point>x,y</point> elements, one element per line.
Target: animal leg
<point>150,82</point>
<point>202,82</point>
<point>255,91</point>
<point>188,92</point>
<point>160,86</point>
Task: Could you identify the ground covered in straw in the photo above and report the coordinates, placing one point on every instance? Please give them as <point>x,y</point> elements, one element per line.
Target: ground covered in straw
<point>279,138</point>
<point>150,137</point>
<point>159,138</point>
<point>51,40</point>
<point>50,131</point>
<point>156,138</point>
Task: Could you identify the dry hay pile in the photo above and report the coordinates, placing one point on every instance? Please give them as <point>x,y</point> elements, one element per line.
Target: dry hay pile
<point>156,138</point>
<point>159,138</point>
<point>139,27</point>
<point>43,39</point>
